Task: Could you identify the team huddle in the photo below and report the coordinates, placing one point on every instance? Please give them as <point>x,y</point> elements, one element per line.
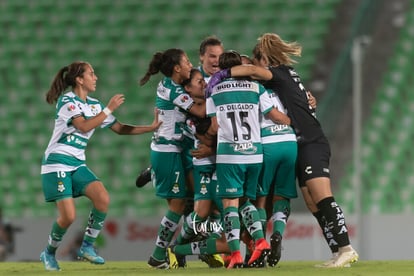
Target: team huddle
<point>232,138</point>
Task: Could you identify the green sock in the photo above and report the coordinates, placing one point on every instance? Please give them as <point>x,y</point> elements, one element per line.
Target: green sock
<point>251,220</point>
<point>232,228</point>
<point>187,230</point>
<point>184,249</point>
<point>263,219</point>
<point>55,237</point>
<point>95,224</point>
<point>281,212</point>
<point>207,246</point>
<point>210,247</point>
<point>217,225</point>
<point>169,224</point>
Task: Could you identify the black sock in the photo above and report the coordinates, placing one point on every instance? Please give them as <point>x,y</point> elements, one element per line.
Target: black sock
<point>335,219</point>
<point>333,245</point>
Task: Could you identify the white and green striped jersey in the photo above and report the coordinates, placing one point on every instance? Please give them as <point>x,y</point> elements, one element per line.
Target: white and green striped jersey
<point>66,149</point>
<point>172,103</point>
<point>209,159</point>
<point>237,104</point>
<point>272,132</point>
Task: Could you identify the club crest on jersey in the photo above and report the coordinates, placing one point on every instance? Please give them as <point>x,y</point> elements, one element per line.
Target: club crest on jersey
<point>94,110</point>
<point>246,148</point>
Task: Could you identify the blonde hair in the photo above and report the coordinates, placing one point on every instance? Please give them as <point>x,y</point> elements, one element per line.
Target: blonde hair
<point>278,51</point>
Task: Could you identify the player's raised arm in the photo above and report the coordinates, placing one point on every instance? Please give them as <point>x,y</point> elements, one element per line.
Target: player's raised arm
<point>253,71</point>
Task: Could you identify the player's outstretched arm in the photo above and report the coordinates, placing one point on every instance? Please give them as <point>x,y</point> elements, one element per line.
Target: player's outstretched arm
<point>124,129</point>
<point>253,71</point>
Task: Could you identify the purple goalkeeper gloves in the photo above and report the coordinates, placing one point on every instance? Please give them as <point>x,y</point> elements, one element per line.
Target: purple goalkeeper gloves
<point>215,79</point>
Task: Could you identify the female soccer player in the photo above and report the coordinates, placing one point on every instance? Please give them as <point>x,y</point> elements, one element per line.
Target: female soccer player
<point>274,57</point>
<point>234,106</point>
<point>65,174</point>
<point>168,151</point>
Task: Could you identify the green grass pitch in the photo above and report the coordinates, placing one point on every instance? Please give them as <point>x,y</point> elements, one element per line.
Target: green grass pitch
<point>198,268</point>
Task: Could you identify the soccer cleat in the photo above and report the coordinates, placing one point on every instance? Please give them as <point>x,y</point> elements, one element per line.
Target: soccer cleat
<point>236,260</point>
<point>212,260</point>
<point>249,250</point>
<point>344,258</point>
<point>326,263</point>
<point>143,178</point>
<point>261,250</point>
<point>175,260</point>
<point>88,253</point>
<point>172,259</point>
<point>49,260</point>
<point>152,262</point>
<point>276,249</point>
<point>182,262</point>
<point>226,259</point>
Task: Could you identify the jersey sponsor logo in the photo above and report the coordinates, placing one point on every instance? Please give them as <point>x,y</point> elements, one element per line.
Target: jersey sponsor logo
<point>73,139</point>
<point>71,107</point>
<point>278,128</point>
<point>293,73</point>
<point>234,85</point>
<point>65,99</point>
<point>162,90</point>
<point>231,190</point>
<point>184,98</point>
<point>247,148</point>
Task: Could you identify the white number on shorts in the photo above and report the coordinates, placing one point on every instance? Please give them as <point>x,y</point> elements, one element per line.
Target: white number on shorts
<point>61,174</point>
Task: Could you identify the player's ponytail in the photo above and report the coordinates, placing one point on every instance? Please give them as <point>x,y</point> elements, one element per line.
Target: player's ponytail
<point>64,78</point>
<point>58,85</point>
<point>163,62</point>
<point>153,67</point>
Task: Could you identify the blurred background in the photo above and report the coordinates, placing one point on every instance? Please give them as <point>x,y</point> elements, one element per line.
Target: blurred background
<point>119,37</point>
